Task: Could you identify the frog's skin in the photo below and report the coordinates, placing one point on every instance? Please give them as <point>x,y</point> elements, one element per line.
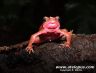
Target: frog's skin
<point>49,31</point>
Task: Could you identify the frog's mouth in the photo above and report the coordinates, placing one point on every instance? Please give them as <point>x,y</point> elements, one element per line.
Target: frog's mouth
<point>51,27</point>
<point>51,30</point>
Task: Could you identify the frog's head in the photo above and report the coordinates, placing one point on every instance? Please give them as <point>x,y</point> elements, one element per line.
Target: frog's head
<point>51,24</point>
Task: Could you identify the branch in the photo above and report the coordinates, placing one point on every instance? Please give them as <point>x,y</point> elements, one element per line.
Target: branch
<point>78,41</point>
<point>11,47</point>
<point>82,47</point>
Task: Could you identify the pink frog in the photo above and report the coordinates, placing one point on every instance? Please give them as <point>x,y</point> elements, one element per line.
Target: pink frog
<point>49,31</point>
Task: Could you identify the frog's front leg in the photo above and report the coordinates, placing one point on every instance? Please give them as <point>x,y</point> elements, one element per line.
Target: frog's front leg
<point>68,36</point>
<point>34,39</point>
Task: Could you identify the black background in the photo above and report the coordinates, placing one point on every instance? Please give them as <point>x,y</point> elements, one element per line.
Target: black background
<point>21,18</point>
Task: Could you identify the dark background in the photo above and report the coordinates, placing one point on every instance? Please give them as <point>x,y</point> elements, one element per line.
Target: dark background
<point>21,18</point>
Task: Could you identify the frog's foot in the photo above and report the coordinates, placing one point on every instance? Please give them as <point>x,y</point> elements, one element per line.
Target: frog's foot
<point>65,45</point>
<point>29,50</point>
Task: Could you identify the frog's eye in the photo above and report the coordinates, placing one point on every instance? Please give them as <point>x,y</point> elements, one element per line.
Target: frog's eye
<point>46,18</point>
<point>57,17</point>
